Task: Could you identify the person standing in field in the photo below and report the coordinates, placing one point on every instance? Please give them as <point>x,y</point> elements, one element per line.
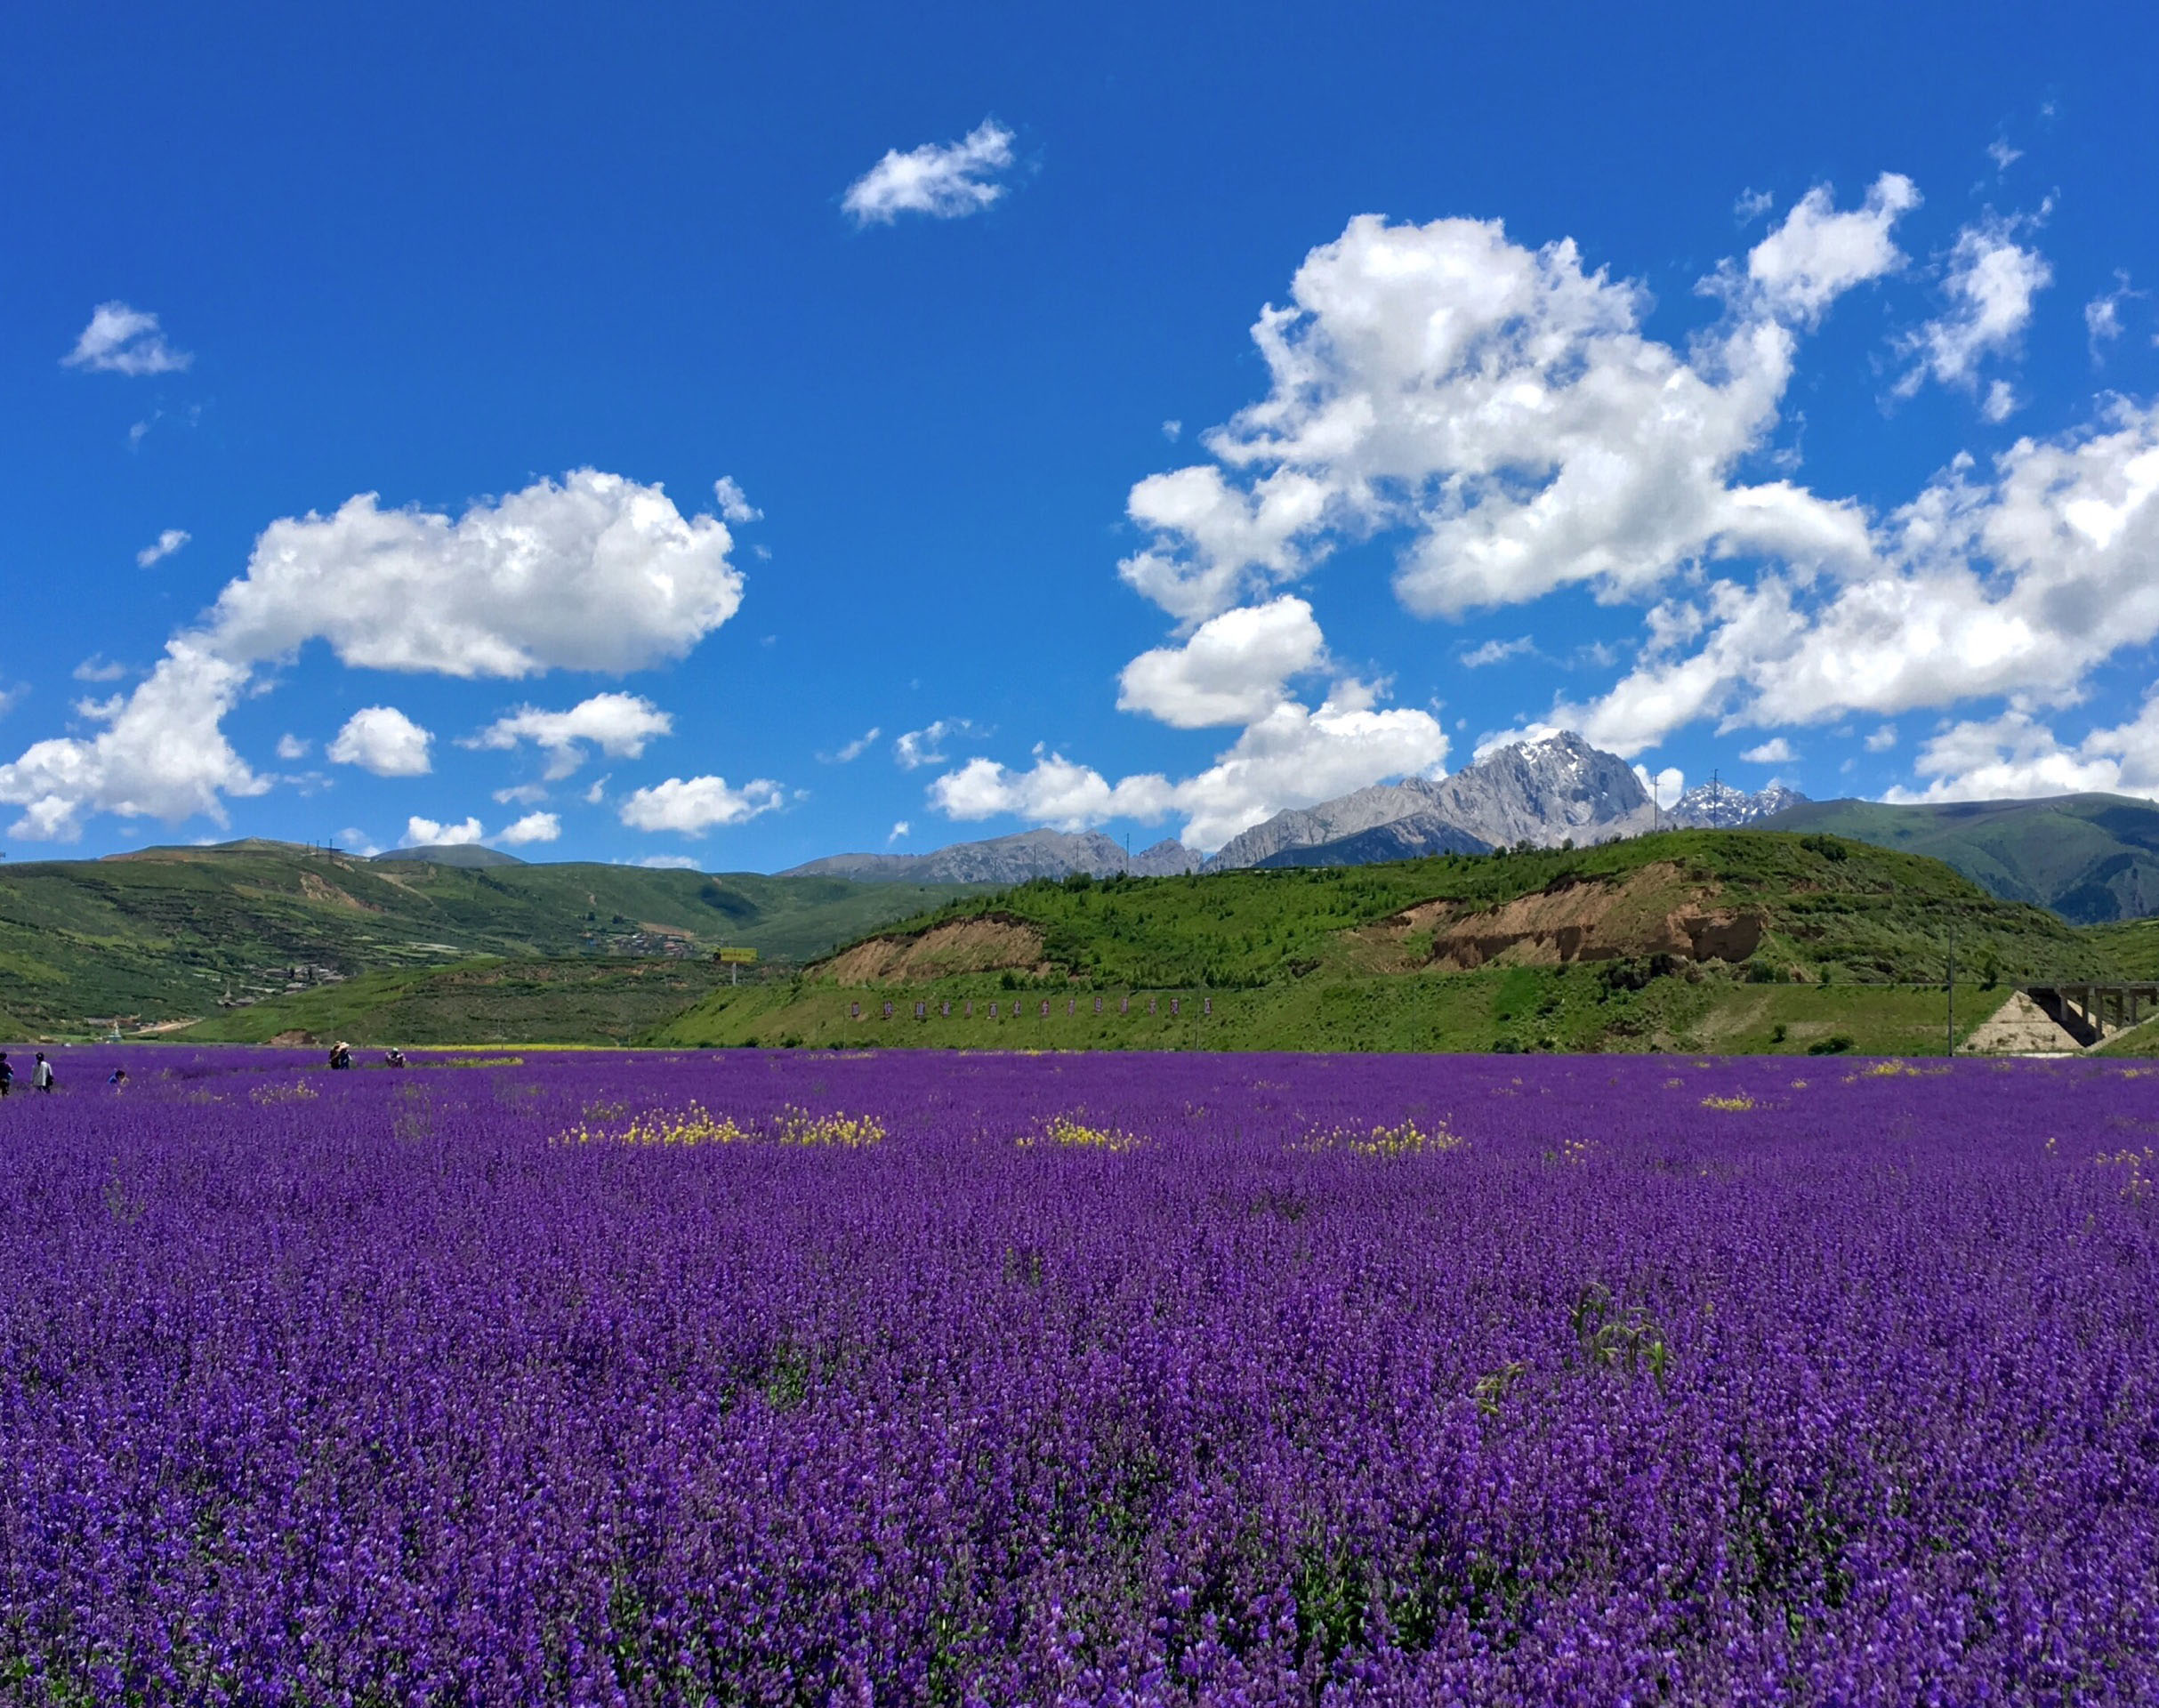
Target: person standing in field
<point>7,1075</point>
<point>41,1076</point>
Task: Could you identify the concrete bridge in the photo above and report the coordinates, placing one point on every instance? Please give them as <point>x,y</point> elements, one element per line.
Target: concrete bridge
<point>2061,1018</point>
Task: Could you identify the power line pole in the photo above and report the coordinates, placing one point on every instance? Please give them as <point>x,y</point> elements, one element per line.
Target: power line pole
<point>1952,1045</point>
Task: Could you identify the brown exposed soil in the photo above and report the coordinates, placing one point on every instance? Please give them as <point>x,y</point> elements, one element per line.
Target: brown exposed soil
<point>294,1038</point>
<point>986,944</point>
<point>316,888</point>
<point>1658,910</point>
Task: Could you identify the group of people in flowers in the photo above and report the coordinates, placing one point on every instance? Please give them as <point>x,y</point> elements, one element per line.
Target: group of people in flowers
<point>341,1056</point>
<point>44,1079</point>
<point>41,1076</point>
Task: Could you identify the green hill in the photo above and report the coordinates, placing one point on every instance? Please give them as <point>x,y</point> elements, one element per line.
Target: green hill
<point>589,1001</point>
<point>2090,857</point>
<point>1687,940</point>
<point>167,933</point>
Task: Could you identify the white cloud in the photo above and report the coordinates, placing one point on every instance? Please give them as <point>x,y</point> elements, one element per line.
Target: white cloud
<point>915,748</point>
<point>734,503</point>
<point>1751,205</point>
<point>1296,758</point>
<point>99,668</point>
<point>382,739</point>
<point>1776,751</point>
<point>1291,757</point>
<point>854,749</point>
<point>618,724</point>
<point>2013,757</point>
<point>353,841</point>
<point>533,827</point>
<point>668,862</point>
<point>598,792</point>
<point>1232,669</point>
<point>696,805</point>
<point>427,832</point>
<point>1990,284</point>
<point>1819,253</point>
<point>522,794</point>
<point>1212,542</point>
<point>160,755</point>
<point>1501,403</point>
<point>946,180</point>
<point>1883,739</point>
<point>121,340</point>
<point>1497,652</point>
<point>2103,317</point>
<point>291,748</point>
<point>1053,791</point>
<point>2016,585</point>
<point>162,547</point>
<point>2000,402</point>
<point>2002,155</point>
<point>594,572</point>
<point>1173,431</point>
<point>1666,786</point>
<point>899,830</point>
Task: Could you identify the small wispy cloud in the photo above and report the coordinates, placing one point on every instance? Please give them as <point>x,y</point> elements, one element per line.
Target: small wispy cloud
<point>1752,205</point>
<point>2103,317</point>
<point>1496,652</point>
<point>926,747</point>
<point>1883,739</point>
<point>854,749</point>
<point>899,830</point>
<point>734,503</point>
<point>2002,154</point>
<point>162,547</point>
<point>943,180</point>
<point>1776,751</point>
<point>99,668</point>
<point>124,340</point>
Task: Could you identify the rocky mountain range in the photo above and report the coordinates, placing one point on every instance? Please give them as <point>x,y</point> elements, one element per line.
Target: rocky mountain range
<point>1007,859</point>
<point>1718,806</point>
<point>1553,789</point>
<point>1543,792</point>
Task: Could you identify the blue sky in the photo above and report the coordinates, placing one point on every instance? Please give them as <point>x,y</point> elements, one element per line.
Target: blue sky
<point>1721,385</point>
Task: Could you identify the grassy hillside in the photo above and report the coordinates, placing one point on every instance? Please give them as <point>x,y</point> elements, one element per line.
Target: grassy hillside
<point>2090,857</point>
<point>164,933</point>
<point>587,1001</point>
<point>1843,909</point>
<point>1515,1009</point>
<point>1819,941</point>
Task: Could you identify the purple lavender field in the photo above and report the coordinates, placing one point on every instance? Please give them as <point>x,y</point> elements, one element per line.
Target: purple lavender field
<point>801,1378</point>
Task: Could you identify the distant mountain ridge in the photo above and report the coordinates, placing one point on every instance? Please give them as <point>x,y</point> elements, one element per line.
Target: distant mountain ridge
<point>1015,859</point>
<point>2092,858</point>
<point>1543,792</point>
<point>1718,806</point>
<point>473,856</point>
